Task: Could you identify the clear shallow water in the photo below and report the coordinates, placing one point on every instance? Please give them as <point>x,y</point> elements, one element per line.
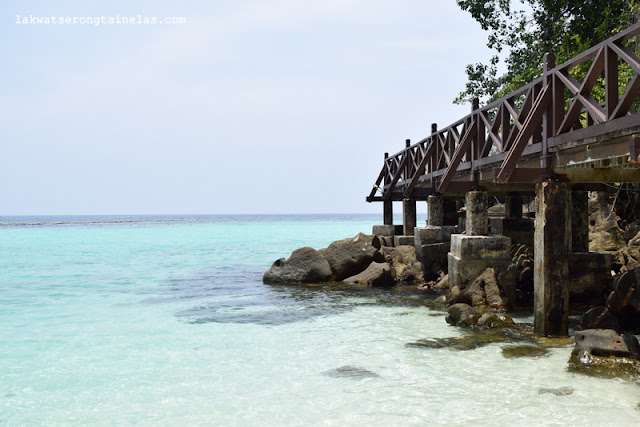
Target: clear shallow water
<point>164,320</point>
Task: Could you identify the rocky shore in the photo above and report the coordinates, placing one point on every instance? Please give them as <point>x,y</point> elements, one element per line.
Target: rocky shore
<point>606,311</point>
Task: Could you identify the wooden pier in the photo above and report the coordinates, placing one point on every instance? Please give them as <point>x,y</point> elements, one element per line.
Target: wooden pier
<point>570,131</point>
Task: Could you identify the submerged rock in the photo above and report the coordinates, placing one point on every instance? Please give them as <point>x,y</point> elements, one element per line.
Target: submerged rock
<point>377,274</point>
<point>562,391</point>
<point>352,372</point>
<point>305,265</point>
<point>466,342</point>
<point>516,351</point>
<point>474,339</point>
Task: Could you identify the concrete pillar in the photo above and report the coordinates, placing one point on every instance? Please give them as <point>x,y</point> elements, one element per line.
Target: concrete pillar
<point>552,244</point>
<point>435,210</point>
<point>387,212</point>
<point>579,221</point>
<point>513,207</point>
<point>409,218</point>
<point>476,204</point>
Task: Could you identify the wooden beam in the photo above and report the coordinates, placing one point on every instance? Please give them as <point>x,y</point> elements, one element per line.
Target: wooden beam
<point>421,168</point>
<point>461,149</point>
<point>532,121</point>
<point>396,176</point>
<point>596,175</point>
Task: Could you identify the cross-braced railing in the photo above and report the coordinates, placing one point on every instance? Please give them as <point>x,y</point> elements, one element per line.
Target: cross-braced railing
<point>592,94</point>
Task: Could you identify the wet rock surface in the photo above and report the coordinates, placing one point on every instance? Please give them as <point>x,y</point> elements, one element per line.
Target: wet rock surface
<point>305,265</point>
<point>562,391</point>
<point>462,314</point>
<point>377,274</point>
<point>525,350</point>
<point>351,256</point>
<point>351,372</point>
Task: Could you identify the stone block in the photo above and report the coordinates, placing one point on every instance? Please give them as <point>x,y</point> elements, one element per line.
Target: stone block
<point>384,230</point>
<point>434,234</point>
<point>462,271</point>
<point>403,240</point>
<point>481,247</point>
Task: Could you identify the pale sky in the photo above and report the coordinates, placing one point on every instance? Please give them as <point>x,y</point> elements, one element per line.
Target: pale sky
<point>269,106</point>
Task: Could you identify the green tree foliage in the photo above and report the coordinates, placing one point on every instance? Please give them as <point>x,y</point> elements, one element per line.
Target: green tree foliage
<point>523,31</point>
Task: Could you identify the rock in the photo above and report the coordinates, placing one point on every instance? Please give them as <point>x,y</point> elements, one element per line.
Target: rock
<point>562,391</point>
<point>400,257</point>
<point>461,314</point>
<point>624,301</point>
<point>604,343</point>
<point>305,265</point>
<point>442,284</point>
<point>483,292</point>
<point>494,320</point>
<point>377,274</point>
<point>412,273</point>
<point>352,372</point>
<point>632,232</point>
<point>524,350</point>
<point>351,256</point>
<point>601,214</point>
<point>599,317</point>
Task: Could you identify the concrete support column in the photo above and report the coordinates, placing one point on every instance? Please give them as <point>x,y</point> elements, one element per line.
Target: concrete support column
<point>387,212</point>
<point>409,218</point>
<point>435,210</point>
<point>579,221</point>
<point>513,207</point>
<point>552,243</point>
<point>476,203</point>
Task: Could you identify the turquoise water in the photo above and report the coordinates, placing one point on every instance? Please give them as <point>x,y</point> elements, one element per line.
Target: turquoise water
<point>165,320</point>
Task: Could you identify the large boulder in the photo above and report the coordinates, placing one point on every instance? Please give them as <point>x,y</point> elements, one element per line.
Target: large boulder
<point>605,343</point>
<point>461,314</point>
<point>351,256</point>
<point>377,274</point>
<point>305,265</point>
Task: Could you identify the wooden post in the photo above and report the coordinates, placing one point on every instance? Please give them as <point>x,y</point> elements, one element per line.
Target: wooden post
<point>409,218</point>
<point>476,205</point>
<point>579,221</point>
<point>387,212</point>
<point>552,243</point>
<point>435,210</point>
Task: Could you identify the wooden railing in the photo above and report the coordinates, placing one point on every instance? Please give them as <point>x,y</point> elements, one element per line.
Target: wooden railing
<point>592,94</point>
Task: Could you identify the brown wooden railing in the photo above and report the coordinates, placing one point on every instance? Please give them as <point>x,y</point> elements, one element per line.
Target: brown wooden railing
<point>552,110</point>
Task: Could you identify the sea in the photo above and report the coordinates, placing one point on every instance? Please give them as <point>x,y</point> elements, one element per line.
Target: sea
<point>164,320</point>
